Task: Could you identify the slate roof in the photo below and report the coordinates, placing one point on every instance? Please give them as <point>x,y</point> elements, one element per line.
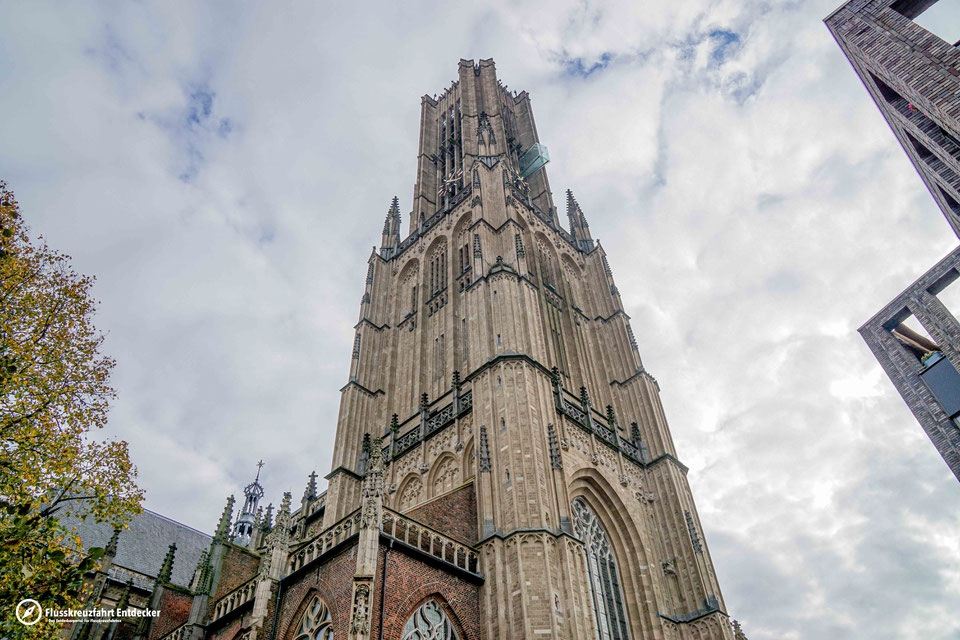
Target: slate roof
<point>144,544</point>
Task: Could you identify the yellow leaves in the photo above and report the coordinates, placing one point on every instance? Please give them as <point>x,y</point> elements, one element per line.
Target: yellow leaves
<point>54,390</point>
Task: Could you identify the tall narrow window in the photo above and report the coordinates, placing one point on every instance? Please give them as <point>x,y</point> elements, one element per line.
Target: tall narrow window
<point>463,337</point>
<point>316,623</point>
<point>604,578</point>
<point>429,622</point>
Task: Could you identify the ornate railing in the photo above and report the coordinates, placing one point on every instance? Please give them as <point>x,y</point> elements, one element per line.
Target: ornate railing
<point>176,634</point>
<point>324,541</point>
<point>240,595</point>
<point>120,574</point>
<point>435,422</point>
<point>430,541</point>
<point>606,434</point>
<point>408,440</point>
<point>630,450</point>
<point>439,420</point>
<point>574,412</point>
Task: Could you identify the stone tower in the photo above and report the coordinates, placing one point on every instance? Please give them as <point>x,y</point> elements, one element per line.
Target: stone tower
<point>497,386</point>
<point>503,468</point>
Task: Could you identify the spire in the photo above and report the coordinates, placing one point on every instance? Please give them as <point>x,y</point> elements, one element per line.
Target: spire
<point>111,548</point>
<point>166,569</point>
<point>223,527</point>
<point>578,223</point>
<point>243,529</point>
<point>199,569</point>
<point>391,229</point>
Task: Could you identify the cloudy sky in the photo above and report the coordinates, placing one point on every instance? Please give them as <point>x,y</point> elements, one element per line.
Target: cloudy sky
<point>223,170</point>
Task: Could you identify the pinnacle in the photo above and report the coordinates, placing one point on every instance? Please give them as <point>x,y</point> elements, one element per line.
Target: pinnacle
<point>111,549</point>
<point>166,569</point>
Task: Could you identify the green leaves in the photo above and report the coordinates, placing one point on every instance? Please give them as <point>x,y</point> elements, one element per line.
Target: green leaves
<point>54,391</point>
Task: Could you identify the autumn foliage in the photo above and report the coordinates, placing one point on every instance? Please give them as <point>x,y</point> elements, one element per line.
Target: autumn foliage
<point>54,394</point>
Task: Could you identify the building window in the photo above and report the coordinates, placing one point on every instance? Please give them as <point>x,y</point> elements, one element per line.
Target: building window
<point>316,623</point>
<point>604,578</point>
<point>429,621</point>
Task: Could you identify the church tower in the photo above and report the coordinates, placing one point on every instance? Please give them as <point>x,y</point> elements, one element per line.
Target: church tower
<point>502,455</point>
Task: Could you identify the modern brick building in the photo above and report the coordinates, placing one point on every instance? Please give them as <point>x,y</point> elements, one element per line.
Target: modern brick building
<point>914,78</point>
<point>503,466</point>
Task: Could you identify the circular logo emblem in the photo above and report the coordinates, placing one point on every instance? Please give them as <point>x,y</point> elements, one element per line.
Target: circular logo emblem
<point>29,612</point>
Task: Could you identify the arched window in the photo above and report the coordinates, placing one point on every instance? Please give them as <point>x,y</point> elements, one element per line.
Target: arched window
<point>316,623</point>
<point>604,579</point>
<point>429,622</point>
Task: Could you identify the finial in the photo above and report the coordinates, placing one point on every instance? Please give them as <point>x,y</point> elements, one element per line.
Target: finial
<point>166,569</point>
<point>611,418</point>
<point>267,521</point>
<point>424,400</point>
<point>111,548</point>
<point>456,379</point>
<point>366,443</point>
<point>311,490</point>
<point>584,396</point>
<point>259,467</point>
<point>285,504</point>
<point>395,423</point>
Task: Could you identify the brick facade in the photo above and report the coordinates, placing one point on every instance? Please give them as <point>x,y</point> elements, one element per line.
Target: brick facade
<point>454,514</point>
<point>175,605</point>
<point>913,77</point>
<point>903,367</point>
<point>410,582</point>
<point>330,580</point>
<point>239,565</point>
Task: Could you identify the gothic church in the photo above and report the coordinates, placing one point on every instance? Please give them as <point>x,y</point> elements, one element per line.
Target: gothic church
<point>503,467</point>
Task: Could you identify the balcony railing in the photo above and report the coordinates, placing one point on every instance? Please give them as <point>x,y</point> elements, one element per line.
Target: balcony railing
<point>430,541</point>
<point>239,596</point>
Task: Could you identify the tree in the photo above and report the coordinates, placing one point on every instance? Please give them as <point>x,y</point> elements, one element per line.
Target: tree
<point>54,394</point>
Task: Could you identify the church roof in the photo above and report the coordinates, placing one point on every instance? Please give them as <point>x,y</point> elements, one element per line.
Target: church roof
<point>143,545</point>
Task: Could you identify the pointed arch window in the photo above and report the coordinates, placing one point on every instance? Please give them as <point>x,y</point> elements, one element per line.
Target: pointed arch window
<point>429,622</point>
<point>316,623</point>
<point>604,577</point>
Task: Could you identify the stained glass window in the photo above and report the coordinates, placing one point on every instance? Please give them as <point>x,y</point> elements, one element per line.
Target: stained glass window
<point>604,579</point>
<point>316,623</point>
<point>429,622</point>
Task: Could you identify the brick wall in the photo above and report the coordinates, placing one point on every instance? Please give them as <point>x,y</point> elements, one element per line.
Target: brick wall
<point>453,514</point>
<point>174,611</point>
<point>229,631</point>
<point>332,581</point>
<point>238,567</point>
<point>410,582</point>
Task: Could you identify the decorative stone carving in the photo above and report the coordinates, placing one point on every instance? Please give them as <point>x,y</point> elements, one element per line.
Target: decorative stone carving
<point>360,620</point>
<point>484,453</point>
